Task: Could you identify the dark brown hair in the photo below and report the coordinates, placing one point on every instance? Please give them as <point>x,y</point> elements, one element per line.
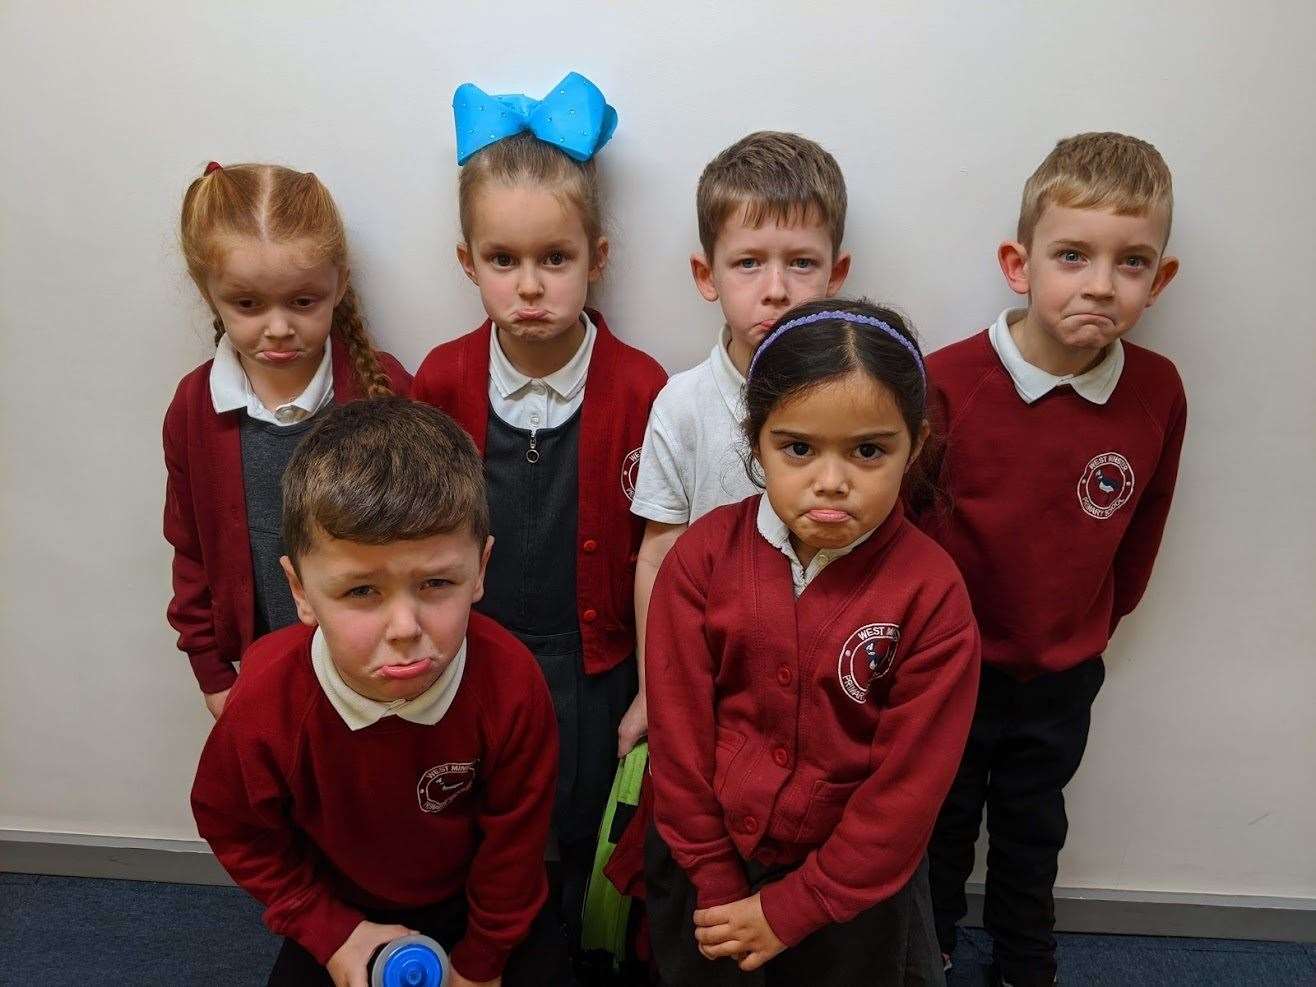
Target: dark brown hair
<point>383,470</point>
<point>774,176</point>
<point>280,205</point>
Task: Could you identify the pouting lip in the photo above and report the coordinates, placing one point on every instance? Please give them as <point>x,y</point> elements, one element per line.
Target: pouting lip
<point>830,515</point>
<point>279,355</point>
<point>405,670</point>
<point>530,315</point>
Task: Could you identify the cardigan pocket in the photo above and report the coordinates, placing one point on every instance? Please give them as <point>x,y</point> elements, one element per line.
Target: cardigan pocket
<point>825,809</point>
<point>727,746</point>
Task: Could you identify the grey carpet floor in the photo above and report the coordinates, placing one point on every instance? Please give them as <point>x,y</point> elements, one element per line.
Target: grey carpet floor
<point>81,932</point>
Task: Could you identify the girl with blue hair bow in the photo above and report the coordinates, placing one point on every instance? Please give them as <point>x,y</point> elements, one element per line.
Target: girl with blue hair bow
<point>557,405</point>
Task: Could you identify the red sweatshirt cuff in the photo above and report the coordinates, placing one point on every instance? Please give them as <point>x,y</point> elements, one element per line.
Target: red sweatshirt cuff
<point>212,673</point>
<point>475,958</point>
<point>719,882</point>
<point>324,927</point>
<point>791,910</point>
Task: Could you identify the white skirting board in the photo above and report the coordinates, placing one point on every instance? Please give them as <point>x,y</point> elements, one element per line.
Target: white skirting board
<point>1098,910</point>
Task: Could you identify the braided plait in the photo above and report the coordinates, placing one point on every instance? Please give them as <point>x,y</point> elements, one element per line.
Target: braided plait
<point>350,328</point>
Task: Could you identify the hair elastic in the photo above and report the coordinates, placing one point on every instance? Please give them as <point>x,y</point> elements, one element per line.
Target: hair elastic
<point>865,320</point>
<point>213,166</point>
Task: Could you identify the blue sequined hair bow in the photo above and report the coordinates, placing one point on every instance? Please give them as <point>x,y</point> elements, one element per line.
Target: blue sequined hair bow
<point>854,317</point>
<point>573,117</point>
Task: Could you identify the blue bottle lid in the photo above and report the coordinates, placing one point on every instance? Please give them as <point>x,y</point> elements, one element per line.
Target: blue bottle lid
<point>413,965</point>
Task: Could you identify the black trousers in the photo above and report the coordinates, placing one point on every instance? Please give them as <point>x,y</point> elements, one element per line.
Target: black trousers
<point>540,961</point>
<point>891,943</point>
<point>1026,743</point>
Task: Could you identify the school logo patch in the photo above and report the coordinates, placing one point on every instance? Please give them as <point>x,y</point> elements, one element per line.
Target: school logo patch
<point>630,469</point>
<point>866,656</point>
<point>1105,486</point>
<point>441,784</point>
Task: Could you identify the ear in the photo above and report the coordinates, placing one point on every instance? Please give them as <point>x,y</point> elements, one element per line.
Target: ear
<point>343,274</point>
<point>840,271</point>
<point>920,440</point>
<point>1013,258</point>
<point>484,565</point>
<point>600,259</point>
<point>467,261</point>
<point>702,271</point>
<point>1164,275</point>
<point>304,611</point>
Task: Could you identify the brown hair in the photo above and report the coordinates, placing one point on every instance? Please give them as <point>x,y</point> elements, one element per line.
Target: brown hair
<point>1098,171</point>
<point>280,205</point>
<point>772,176</point>
<point>524,159</point>
<point>380,471</point>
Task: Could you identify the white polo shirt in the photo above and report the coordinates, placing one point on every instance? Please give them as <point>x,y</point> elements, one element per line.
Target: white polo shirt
<point>694,454</point>
<point>230,389</point>
<point>359,712</point>
<point>778,535</point>
<point>1034,383</point>
<point>539,402</point>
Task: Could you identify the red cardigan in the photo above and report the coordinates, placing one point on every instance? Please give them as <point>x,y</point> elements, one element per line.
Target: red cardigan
<point>1056,508</point>
<point>205,519</point>
<point>320,822</point>
<point>620,386</point>
<point>823,732</point>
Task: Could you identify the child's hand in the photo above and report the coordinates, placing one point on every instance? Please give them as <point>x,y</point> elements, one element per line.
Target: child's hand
<point>738,930</point>
<point>459,981</point>
<point>634,725</point>
<point>215,702</point>
<point>347,967</point>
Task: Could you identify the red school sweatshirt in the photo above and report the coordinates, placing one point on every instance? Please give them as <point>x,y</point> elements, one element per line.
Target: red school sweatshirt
<point>620,387</point>
<point>205,519</point>
<point>319,822</point>
<point>823,731</point>
<point>1056,508</point>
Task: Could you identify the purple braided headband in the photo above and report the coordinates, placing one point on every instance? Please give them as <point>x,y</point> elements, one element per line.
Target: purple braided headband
<point>866,320</point>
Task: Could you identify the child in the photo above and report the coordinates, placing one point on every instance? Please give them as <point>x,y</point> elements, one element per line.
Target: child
<point>1062,449</point>
<point>266,248</point>
<point>388,764</point>
<point>771,213</point>
<point>556,404</point>
<point>812,666</point>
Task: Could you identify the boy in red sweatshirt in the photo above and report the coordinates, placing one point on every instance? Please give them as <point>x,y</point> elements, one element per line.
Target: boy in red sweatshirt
<point>389,764</point>
<point>1062,447</point>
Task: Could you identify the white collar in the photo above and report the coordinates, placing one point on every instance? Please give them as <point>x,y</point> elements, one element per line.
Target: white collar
<point>1033,383</point>
<point>230,389</point>
<point>730,383</point>
<point>775,531</point>
<point>566,381</point>
<point>359,712</point>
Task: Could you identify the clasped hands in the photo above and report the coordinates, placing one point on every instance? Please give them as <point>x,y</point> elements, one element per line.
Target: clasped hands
<point>738,930</point>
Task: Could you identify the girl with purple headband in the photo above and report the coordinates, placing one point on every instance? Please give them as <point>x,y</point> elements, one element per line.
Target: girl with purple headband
<point>813,665</point>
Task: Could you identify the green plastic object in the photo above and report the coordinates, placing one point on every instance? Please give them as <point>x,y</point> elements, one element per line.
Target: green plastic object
<point>607,910</point>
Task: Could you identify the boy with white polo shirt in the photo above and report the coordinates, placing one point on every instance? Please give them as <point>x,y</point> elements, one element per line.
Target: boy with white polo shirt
<point>771,211</point>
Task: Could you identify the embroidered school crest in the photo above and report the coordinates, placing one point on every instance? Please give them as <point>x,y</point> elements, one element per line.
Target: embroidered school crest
<point>630,469</point>
<point>1105,486</point>
<point>441,784</point>
<point>867,655</point>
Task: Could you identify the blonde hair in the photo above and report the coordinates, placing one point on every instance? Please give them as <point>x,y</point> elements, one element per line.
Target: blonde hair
<point>279,205</point>
<point>772,176</point>
<point>1098,171</point>
<point>525,159</point>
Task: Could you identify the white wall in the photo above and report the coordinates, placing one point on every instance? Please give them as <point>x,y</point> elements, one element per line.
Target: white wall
<point>1199,777</point>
